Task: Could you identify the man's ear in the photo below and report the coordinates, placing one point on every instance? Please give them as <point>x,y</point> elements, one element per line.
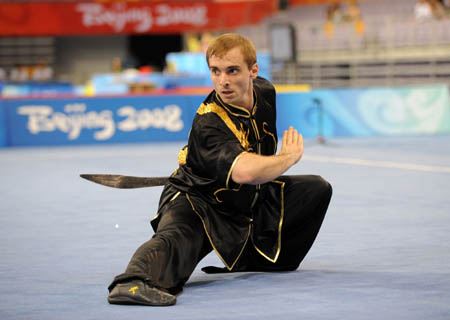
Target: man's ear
<point>254,71</point>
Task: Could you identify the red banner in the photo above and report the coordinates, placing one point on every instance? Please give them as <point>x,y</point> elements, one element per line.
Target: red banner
<point>317,2</point>
<point>94,18</point>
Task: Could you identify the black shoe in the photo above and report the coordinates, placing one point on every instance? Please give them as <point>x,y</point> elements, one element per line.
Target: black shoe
<point>139,292</point>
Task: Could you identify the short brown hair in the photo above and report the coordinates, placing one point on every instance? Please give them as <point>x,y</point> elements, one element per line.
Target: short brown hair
<point>224,43</point>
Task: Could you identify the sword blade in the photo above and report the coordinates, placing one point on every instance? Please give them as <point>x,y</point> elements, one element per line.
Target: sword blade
<point>125,182</point>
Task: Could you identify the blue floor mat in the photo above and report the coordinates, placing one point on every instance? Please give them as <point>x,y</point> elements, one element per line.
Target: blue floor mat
<point>383,251</point>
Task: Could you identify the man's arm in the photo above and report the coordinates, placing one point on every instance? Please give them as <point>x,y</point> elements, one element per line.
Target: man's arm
<point>252,168</point>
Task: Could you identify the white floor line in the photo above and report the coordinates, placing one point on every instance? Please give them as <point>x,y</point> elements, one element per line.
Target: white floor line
<point>375,163</point>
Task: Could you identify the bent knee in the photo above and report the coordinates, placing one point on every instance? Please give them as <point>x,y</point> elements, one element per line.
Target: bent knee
<point>322,187</point>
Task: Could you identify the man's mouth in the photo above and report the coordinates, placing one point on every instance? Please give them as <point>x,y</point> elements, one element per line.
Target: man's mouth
<point>227,92</point>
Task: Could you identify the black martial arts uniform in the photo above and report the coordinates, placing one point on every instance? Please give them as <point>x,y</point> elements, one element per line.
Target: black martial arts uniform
<point>268,227</point>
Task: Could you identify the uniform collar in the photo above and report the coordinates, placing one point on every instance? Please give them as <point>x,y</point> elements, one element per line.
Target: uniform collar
<point>237,110</point>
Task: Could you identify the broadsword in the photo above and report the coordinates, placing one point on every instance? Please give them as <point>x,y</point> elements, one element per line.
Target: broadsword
<point>125,182</point>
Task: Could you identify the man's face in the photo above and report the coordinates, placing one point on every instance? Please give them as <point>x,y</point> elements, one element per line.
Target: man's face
<point>232,79</point>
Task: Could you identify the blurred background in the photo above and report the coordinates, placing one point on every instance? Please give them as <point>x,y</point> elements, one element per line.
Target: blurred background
<point>349,67</point>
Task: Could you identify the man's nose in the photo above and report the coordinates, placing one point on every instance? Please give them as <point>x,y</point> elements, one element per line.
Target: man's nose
<point>224,79</point>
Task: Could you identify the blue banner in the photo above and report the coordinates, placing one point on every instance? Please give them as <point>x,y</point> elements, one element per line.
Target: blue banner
<point>3,125</point>
<point>366,112</point>
<point>105,120</point>
<point>328,113</point>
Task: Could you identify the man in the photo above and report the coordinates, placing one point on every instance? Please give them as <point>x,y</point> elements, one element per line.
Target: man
<point>228,194</point>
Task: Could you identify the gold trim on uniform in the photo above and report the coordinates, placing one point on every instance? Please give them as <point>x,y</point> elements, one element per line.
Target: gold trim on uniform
<point>210,239</point>
<point>156,216</point>
<point>182,155</point>
<point>255,103</point>
<point>173,198</point>
<point>272,135</point>
<point>247,115</point>
<point>258,137</point>
<point>279,226</point>
<point>241,135</point>
<point>228,178</point>
<point>225,189</point>
<point>224,105</point>
<point>232,166</point>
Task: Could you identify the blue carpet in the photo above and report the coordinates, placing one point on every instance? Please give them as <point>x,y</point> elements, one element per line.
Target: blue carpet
<point>383,251</point>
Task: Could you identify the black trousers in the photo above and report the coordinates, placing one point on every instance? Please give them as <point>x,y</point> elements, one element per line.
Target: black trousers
<point>168,259</point>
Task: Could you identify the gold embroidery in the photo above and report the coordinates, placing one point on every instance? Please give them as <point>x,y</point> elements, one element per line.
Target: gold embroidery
<point>275,258</point>
<point>182,155</point>
<point>241,135</point>
<point>133,290</point>
<point>210,239</point>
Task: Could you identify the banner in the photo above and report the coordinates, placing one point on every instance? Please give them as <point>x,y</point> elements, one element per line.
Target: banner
<point>100,120</point>
<point>3,125</point>
<point>394,111</point>
<point>313,2</point>
<point>414,110</point>
<point>94,18</point>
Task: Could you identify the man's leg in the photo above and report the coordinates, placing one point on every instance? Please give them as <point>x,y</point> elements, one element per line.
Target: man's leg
<point>306,202</point>
<point>166,261</point>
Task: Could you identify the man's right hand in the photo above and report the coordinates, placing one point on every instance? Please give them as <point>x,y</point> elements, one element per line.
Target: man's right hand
<point>292,144</point>
<point>253,168</point>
